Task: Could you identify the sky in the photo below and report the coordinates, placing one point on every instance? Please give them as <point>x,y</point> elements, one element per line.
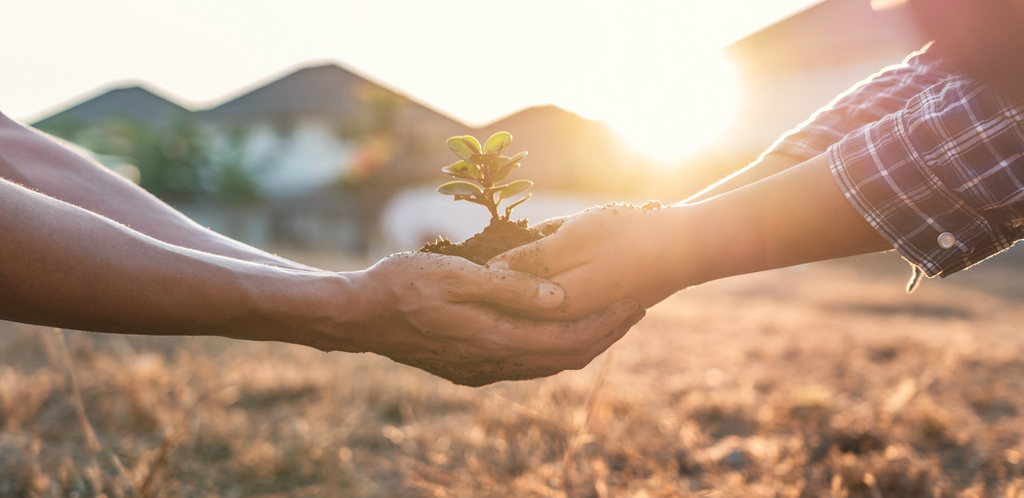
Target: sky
<point>650,69</point>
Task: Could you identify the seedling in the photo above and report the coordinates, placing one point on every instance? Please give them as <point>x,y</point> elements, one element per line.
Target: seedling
<point>486,167</point>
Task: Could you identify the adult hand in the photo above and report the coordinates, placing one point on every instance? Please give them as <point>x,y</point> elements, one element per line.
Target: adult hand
<point>66,267</point>
<point>600,256</point>
<point>435,313</point>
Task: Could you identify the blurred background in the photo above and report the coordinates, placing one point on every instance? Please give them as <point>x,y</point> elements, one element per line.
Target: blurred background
<point>322,126</point>
<point>317,130</point>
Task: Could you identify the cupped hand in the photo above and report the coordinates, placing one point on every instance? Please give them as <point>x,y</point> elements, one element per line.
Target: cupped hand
<point>436,313</point>
<point>599,256</point>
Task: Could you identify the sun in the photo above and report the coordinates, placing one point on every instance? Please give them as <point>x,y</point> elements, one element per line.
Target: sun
<point>675,109</point>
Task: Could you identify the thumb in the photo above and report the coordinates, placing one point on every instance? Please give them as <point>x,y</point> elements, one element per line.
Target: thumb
<point>548,256</point>
<point>513,289</point>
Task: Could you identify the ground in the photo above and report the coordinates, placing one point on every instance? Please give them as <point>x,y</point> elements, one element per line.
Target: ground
<point>821,380</point>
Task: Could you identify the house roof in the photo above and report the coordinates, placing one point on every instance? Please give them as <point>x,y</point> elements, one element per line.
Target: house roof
<point>529,116</point>
<point>567,150</point>
<point>327,89</point>
<point>132,102</point>
<point>318,89</point>
<point>828,33</point>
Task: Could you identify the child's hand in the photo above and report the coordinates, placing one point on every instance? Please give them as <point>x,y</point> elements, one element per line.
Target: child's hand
<point>600,256</point>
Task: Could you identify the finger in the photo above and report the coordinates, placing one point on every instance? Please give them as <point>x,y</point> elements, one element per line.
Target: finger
<point>551,225</point>
<point>590,287</point>
<point>548,256</point>
<point>603,343</point>
<point>535,366</point>
<point>557,220</point>
<point>513,349</point>
<point>568,338</point>
<point>516,290</point>
<point>587,290</point>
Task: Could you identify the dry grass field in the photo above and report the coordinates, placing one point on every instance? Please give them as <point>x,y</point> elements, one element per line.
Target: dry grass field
<point>822,380</point>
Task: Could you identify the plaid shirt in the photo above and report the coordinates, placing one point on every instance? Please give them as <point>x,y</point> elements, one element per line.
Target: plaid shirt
<point>931,158</point>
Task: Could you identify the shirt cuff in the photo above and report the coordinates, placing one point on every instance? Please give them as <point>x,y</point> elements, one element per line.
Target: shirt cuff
<point>890,185</point>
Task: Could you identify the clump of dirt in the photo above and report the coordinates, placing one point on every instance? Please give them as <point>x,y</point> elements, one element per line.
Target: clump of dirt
<point>499,236</point>
<point>651,205</point>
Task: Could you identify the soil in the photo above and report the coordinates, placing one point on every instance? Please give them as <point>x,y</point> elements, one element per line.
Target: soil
<point>502,234</point>
<point>499,236</point>
<point>651,205</point>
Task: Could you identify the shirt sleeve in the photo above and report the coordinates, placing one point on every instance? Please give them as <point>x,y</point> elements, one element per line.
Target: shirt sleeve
<point>941,179</point>
<point>866,102</point>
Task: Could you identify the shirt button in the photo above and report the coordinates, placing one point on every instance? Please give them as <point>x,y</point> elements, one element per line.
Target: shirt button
<point>946,240</point>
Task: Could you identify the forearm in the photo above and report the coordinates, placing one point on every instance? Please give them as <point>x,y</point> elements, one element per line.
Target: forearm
<point>34,160</point>
<point>866,102</point>
<point>793,217</point>
<point>754,172</point>
<point>66,267</point>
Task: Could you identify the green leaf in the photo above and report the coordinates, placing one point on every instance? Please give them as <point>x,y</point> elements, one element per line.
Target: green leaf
<point>503,173</point>
<point>482,159</point>
<point>498,164</point>
<point>463,169</point>
<point>459,188</point>
<point>515,188</point>
<point>498,142</point>
<point>472,143</point>
<point>460,148</point>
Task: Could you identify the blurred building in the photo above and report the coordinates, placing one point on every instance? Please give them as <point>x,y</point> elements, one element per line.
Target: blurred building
<point>135,103</point>
<point>790,69</point>
<point>323,124</point>
<point>321,156</point>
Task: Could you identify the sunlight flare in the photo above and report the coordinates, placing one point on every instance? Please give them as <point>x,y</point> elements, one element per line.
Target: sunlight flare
<point>677,109</point>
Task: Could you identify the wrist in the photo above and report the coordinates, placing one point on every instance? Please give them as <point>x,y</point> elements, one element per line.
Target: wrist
<point>712,240</point>
<point>319,310</point>
<point>682,250</point>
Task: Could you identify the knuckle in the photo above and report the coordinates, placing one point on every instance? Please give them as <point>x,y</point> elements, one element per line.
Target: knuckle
<point>518,287</point>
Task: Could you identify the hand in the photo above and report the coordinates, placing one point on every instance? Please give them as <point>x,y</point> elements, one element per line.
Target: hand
<point>434,312</point>
<point>600,256</point>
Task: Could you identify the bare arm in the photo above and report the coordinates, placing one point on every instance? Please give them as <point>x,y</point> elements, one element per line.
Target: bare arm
<point>867,101</point>
<point>797,216</point>
<point>793,217</point>
<point>754,172</point>
<point>67,267</point>
<point>34,160</point>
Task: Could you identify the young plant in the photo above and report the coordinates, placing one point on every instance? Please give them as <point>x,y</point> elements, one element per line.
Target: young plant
<point>487,168</point>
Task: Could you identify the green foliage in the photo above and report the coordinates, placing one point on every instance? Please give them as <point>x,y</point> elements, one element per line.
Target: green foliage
<point>515,188</point>
<point>485,166</point>
<point>498,142</point>
<point>459,188</point>
<point>461,148</point>
<point>175,157</point>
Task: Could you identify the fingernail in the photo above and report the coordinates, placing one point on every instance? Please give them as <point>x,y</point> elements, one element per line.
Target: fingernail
<point>499,265</point>
<point>550,294</point>
<point>636,316</point>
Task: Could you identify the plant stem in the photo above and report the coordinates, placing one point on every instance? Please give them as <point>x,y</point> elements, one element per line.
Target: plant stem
<point>492,207</point>
<point>485,201</point>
